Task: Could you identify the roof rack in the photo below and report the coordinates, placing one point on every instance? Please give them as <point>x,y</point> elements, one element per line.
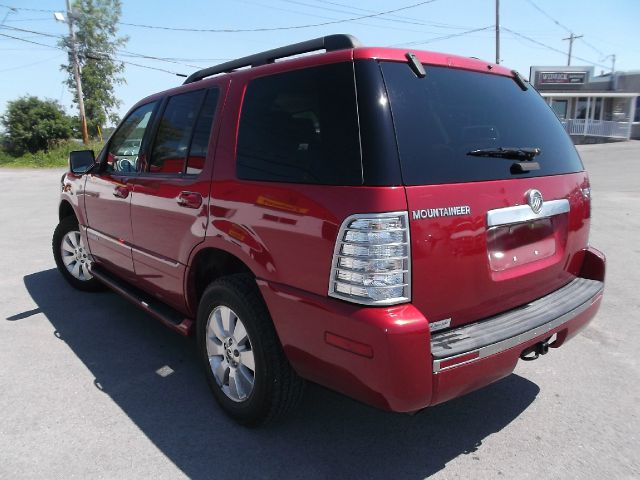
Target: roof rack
<point>328,43</point>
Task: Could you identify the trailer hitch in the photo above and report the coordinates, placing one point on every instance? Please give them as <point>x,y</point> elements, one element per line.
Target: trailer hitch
<point>534,351</point>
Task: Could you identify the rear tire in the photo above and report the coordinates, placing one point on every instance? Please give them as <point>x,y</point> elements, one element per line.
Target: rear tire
<point>244,363</point>
<point>72,257</point>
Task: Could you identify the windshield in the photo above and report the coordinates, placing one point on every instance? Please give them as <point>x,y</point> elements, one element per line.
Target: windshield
<point>442,117</point>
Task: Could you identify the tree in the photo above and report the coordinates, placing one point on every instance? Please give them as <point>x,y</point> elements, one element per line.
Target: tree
<point>97,43</point>
<point>32,124</point>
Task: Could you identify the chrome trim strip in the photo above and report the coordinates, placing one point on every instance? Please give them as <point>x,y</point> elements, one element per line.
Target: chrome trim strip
<point>165,261</point>
<point>518,339</point>
<point>108,238</point>
<point>128,246</point>
<point>523,213</point>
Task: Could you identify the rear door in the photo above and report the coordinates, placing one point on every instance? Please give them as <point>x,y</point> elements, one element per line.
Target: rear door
<point>479,243</point>
<point>171,195</point>
<point>108,194</point>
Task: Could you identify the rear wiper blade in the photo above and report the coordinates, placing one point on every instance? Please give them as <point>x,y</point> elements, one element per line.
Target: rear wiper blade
<point>506,152</point>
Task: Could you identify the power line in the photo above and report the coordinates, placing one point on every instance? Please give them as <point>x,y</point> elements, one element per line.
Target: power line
<point>95,53</point>
<point>44,34</point>
<point>549,47</point>
<point>600,52</point>
<point>29,41</point>
<point>530,2</point>
<point>568,30</point>
<point>315,15</point>
<point>341,10</point>
<point>27,9</point>
<point>177,74</point>
<point>39,19</point>
<point>444,37</point>
<point>400,18</point>
<point>121,52</point>
<point>271,29</point>
<point>31,64</point>
<point>371,14</point>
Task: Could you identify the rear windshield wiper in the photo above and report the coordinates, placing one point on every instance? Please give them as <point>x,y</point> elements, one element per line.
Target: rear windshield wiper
<point>506,152</point>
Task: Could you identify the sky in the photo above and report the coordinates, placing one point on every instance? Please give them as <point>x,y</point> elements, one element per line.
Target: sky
<point>531,34</point>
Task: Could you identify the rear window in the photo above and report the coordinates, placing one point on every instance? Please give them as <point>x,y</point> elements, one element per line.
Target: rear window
<point>443,116</point>
<point>301,127</point>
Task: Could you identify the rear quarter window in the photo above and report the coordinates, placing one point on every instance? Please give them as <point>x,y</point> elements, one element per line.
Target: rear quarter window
<point>301,127</point>
<point>441,117</point>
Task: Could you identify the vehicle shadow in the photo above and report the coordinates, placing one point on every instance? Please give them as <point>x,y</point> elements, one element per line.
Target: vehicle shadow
<point>153,376</point>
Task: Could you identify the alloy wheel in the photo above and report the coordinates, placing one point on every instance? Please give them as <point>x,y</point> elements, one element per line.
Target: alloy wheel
<point>75,256</point>
<point>231,356</point>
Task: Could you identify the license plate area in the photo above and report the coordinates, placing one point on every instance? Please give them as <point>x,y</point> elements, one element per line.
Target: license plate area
<point>518,244</point>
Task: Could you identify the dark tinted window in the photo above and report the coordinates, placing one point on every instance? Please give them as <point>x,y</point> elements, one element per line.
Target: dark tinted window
<point>441,117</point>
<point>124,147</point>
<point>201,134</point>
<point>301,127</point>
<point>174,133</point>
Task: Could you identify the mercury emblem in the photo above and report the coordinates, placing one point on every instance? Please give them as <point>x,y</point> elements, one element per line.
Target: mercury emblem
<point>534,199</point>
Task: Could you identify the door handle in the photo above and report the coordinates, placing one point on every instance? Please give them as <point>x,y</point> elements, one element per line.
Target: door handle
<point>190,199</point>
<point>121,192</point>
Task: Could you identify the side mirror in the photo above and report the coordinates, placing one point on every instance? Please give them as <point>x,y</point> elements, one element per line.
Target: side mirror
<point>81,161</point>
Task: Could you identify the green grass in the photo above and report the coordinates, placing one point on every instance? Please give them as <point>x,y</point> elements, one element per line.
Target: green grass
<point>54,158</point>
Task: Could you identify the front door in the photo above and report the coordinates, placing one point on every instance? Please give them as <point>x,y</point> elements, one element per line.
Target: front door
<point>108,194</point>
<point>171,195</point>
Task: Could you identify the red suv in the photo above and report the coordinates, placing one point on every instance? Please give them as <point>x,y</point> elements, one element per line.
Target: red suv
<point>398,226</point>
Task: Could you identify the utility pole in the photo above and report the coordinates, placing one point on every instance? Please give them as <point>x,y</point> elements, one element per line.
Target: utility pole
<point>571,38</point>
<point>613,62</point>
<point>497,31</point>
<point>76,74</point>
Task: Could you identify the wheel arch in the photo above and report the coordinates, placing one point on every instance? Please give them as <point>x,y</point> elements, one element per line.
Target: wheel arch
<point>208,265</point>
<point>66,210</point>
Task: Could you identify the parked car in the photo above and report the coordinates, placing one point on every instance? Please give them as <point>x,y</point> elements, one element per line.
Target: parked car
<point>399,226</point>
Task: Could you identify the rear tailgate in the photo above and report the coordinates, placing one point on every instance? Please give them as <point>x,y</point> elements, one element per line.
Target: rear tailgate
<point>478,247</point>
<point>464,270</point>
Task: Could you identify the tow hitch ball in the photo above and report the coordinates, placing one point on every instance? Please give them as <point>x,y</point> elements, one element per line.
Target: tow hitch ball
<point>534,351</point>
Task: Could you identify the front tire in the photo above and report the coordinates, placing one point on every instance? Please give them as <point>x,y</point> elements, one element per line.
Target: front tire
<point>72,257</point>
<point>244,363</point>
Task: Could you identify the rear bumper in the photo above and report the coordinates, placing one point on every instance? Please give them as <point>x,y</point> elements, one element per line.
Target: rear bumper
<point>470,343</point>
<point>386,356</point>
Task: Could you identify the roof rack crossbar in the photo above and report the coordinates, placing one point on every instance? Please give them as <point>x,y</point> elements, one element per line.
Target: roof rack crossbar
<point>328,43</point>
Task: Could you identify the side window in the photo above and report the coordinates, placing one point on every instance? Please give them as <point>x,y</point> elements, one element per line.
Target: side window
<point>201,134</point>
<point>183,134</point>
<point>302,127</point>
<point>124,147</point>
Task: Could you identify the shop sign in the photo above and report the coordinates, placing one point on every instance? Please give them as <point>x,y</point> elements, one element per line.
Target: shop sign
<point>573,78</point>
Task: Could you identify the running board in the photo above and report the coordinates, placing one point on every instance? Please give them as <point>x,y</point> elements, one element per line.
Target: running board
<point>167,315</point>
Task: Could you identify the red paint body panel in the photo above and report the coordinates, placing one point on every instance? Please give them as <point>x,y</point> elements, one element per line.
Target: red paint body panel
<point>396,378</point>
<point>451,273</point>
<point>286,234</point>
<point>110,234</point>
<point>72,193</point>
<point>165,233</point>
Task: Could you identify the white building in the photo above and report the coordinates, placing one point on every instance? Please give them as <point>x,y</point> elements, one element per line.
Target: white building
<point>590,107</point>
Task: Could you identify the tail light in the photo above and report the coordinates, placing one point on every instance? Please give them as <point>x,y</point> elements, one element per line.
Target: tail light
<point>372,260</point>
<point>586,194</point>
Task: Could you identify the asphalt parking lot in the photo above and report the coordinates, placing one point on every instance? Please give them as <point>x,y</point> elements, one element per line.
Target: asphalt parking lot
<point>92,388</point>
